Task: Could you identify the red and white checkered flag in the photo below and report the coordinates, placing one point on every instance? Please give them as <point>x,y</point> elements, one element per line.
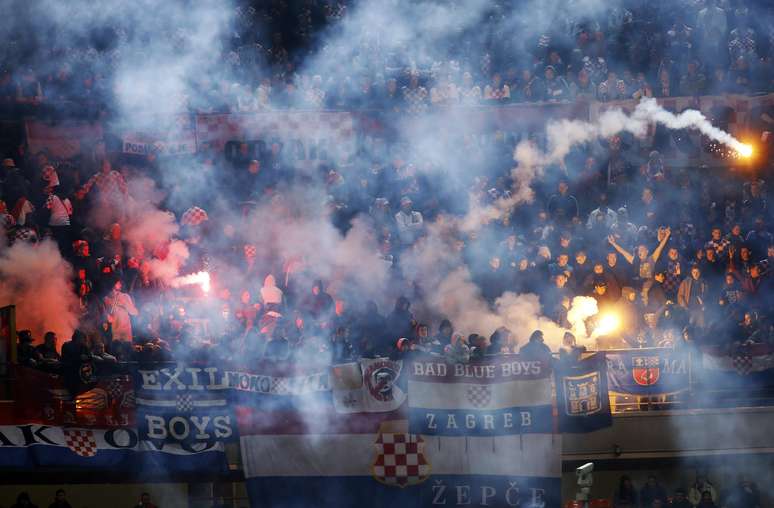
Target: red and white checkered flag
<point>81,442</point>
<point>194,216</point>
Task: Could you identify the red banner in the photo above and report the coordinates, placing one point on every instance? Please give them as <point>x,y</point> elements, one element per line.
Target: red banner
<point>42,397</point>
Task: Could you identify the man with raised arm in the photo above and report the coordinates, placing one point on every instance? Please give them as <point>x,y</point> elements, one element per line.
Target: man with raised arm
<point>645,262</point>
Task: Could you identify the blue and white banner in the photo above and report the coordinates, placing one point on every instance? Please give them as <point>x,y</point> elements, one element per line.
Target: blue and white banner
<point>352,455</point>
<point>505,395</point>
<point>184,405</point>
<point>648,372</point>
<point>33,445</point>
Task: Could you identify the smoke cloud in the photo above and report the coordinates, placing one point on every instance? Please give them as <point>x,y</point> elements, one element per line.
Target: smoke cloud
<point>38,281</point>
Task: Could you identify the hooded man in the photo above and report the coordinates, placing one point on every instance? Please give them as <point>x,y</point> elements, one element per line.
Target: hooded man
<point>319,305</point>
<point>270,293</point>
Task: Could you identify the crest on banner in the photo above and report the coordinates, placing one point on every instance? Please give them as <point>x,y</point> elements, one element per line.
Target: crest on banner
<point>400,460</point>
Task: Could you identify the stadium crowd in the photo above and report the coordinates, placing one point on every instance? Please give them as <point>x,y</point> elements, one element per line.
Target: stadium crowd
<point>24,500</point>
<point>702,492</point>
<point>631,50</point>
<point>699,493</point>
<point>679,256</point>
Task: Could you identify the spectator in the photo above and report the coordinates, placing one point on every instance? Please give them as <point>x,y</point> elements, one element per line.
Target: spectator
<point>692,295</point>
<point>532,88</point>
<point>23,501</point>
<point>414,96</point>
<point>556,87</point>
<point>103,360</point>
<point>469,92</point>
<point>409,222</point>
<point>612,89</point>
<point>602,215</point>
<point>693,82</point>
<point>47,351</point>
<point>445,332</point>
<point>319,305</point>
<point>563,207</point>
<point>270,294</point>
<point>583,87</point>
<point>570,352</point>
<point>445,93</point>
<point>536,348</point>
<point>706,501</point>
<point>679,500</point>
<point>119,306</point>
<point>744,495</point>
<point>458,351</point>
<point>145,501</point>
<point>626,495</point>
<point>699,487</point>
<point>644,264</point>
<point>710,21</point>
<point>652,491</point>
<point>112,194</point>
<point>26,352</point>
<point>60,500</point>
<point>497,91</point>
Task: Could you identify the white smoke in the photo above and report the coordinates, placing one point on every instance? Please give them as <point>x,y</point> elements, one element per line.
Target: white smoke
<point>563,135</point>
<point>147,224</point>
<point>450,292</point>
<point>292,228</point>
<point>166,267</point>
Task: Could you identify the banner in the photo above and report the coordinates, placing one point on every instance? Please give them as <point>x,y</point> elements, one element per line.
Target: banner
<point>303,138</point>
<point>43,397</point>
<point>738,367</point>
<point>64,140</point>
<point>368,386</point>
<point>28,446</point>
<point>185,405</point>
<point>167,135</point>
<point>506,395</point>
<point>280,387</point>
<point>372,458</point>
<point>648,372</point>
<point>581,395</point>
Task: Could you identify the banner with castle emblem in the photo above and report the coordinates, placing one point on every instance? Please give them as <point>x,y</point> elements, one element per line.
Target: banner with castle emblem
<point>648,371</point>
<point>581,396</point>
<point>352,455</point>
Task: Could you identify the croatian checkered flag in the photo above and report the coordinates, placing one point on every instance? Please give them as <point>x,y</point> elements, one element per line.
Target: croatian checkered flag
<point>194,216</point>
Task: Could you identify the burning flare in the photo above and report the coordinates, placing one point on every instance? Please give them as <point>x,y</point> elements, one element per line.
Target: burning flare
<point>201,278</point>
<point>745,150</point>
<point>607,323</point>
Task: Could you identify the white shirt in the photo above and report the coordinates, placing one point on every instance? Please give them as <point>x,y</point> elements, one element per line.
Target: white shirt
<point>61,210</point>
<point>409,226</point>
